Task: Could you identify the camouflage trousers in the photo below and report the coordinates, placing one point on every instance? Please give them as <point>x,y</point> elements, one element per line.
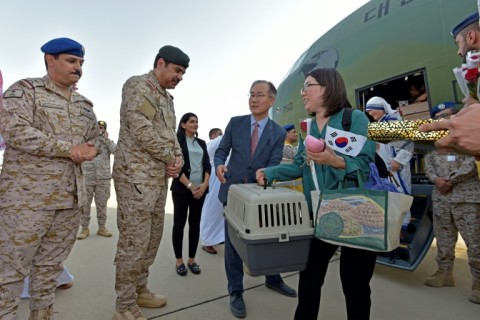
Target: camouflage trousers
<point>448,220</point>
<point>35,244</point>
<point>140,219</point>
<point>101,190</point>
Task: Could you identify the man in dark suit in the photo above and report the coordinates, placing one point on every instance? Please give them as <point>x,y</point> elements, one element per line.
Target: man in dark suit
<point>241,136</point>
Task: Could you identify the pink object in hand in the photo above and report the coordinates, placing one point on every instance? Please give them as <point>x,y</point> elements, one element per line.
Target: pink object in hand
<point>313,144</point>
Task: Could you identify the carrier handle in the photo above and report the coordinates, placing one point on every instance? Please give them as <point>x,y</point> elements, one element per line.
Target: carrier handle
<point>264,183</point>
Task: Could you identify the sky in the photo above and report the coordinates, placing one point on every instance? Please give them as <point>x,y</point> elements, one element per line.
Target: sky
<point>230,45</point>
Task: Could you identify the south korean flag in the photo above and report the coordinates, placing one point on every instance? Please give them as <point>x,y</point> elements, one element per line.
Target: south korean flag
<point>344,142</point>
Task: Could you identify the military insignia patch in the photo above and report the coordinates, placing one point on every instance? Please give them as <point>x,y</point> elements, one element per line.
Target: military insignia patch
<point>147,109</point>
<point>13,93</point>
<point>36,82</point>
<point>87,113</point>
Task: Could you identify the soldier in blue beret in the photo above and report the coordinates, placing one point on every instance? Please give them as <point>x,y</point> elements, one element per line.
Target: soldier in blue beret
<point>467,37</point>
<point>58,50</point>
<point>63,45</point>
<point>291,138</point>
<point>49,130</point>
<point>443,110</point>
<point>288,127</point>
<point>467,34</point>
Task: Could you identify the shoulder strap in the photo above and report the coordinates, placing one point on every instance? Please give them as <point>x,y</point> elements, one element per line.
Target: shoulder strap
<point>347,118</point>
<point>32,83</point>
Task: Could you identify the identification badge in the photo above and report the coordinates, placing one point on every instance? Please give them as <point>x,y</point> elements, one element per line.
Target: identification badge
<point>451,158</point>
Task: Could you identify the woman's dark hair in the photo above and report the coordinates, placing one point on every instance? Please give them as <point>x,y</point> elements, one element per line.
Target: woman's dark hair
<point>180,130</point>
<point>335,96</point>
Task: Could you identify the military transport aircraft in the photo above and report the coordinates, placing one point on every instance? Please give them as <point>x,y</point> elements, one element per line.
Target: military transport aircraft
<point>383,49</point>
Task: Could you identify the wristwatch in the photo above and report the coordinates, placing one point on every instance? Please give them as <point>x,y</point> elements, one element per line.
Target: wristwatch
<point>189,185</point>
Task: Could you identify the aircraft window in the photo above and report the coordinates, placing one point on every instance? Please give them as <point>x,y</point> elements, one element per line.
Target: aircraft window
<point>406,91</point>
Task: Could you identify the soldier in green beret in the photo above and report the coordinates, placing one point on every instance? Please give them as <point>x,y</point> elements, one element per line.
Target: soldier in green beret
<point>147,155</point>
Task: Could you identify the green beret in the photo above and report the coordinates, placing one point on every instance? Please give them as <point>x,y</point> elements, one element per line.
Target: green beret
<point>174,55</point>
<point>63,45</point>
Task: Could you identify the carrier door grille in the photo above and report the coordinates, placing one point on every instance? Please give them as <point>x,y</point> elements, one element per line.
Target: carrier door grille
<point>280,214</point>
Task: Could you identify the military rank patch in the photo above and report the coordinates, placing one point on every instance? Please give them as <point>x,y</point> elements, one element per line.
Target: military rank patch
<point>13,93</point>
<point>87,113</point>
<point>147,109</point>
<point>31,83</point>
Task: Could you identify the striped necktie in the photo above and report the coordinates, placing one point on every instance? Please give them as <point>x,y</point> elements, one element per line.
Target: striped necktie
<point>254,139</point>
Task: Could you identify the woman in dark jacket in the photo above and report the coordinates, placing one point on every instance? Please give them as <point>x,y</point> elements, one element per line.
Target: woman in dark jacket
<point>189,191</point>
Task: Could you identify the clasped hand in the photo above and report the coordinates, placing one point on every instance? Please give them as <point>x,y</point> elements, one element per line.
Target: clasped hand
<point>198,191</point>
<point>173,170</point>
<point>83,152</point>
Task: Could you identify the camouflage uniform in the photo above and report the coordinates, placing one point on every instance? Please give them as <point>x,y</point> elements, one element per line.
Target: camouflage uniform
<point>457,211</point>
<point>289,151</point>
<point>147,144</point>
<point>41,188</point>
<point>97,181</point>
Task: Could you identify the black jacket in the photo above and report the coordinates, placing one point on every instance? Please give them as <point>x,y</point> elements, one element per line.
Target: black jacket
<point>177,186</point>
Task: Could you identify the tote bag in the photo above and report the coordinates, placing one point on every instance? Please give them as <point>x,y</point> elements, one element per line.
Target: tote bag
<point>361,218</point>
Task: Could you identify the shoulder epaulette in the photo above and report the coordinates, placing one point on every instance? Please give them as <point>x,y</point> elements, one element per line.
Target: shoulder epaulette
<point>151,84</point>
<point>32,83</point>
<point>78,97</point>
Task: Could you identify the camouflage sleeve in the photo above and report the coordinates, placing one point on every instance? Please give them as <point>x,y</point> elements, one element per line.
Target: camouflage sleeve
<point>140,114</point>
<point>430,171</point>
<point>466,169</point>
<point>178,150</point>
<point>16,125</point>
<point>93,133</point>
<point>111,146</point>
<point>289,151</point>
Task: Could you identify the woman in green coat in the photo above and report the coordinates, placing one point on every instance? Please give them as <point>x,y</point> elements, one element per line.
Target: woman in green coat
<point>324,96</point>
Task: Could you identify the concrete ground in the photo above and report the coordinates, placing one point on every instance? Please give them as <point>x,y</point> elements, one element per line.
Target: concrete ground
<point>396,294</point>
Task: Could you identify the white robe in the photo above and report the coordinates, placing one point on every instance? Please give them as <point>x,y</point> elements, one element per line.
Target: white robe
<point>212,223</point>
<point>65,277</point>
<point>402,152</point>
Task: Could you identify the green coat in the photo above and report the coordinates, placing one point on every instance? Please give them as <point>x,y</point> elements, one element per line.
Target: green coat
<point>328,177</point>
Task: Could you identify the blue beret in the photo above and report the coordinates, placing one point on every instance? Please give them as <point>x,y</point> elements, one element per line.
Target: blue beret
<point>442,106</point>
<point>63,45</point>
<point>465,22</point>
<point>174,55</point>
<point>288,127</point>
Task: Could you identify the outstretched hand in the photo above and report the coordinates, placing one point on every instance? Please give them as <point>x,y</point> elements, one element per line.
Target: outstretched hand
<point>464,130</point>
<point>260,177</point>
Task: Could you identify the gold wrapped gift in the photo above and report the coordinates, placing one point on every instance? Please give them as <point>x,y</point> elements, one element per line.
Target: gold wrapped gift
<point>403,130</point>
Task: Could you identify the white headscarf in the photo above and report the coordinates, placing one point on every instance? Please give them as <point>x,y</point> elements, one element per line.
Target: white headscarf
<point>377,103</point>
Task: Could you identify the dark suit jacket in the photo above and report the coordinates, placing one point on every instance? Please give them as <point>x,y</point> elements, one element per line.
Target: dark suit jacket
<point>177,186</point>
<point>241,169</point>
